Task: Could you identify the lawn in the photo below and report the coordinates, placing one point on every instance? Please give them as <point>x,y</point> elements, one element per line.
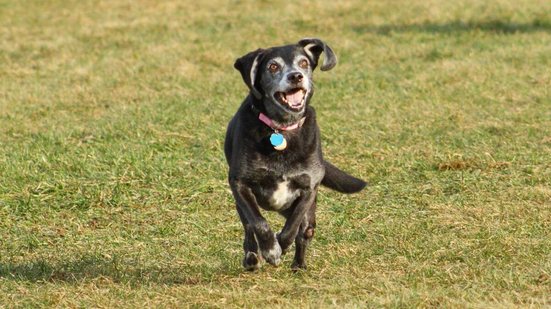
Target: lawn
<point>113,189</point>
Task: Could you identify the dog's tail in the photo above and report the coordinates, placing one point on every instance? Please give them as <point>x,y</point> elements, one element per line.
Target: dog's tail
<point>340,181</point>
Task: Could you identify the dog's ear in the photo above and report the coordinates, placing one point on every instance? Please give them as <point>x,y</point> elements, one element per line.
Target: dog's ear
<point>248,67</point>
<point>313,48</point>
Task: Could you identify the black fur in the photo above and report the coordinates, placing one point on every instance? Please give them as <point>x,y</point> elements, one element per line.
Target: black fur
<point>286,181</point>
<point>340,181</point>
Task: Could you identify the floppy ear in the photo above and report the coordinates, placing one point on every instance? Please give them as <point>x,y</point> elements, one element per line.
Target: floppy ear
<point>313,48</point>
<point>247,66</point>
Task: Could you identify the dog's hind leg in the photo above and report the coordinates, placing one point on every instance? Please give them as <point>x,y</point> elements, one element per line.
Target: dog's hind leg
<point>251,261</point>
<point>303,238</point>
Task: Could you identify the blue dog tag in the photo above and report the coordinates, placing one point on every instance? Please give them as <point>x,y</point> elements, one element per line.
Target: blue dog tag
<point>278,141</point>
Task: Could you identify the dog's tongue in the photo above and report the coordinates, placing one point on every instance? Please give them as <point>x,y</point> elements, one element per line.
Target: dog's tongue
<point>294,97</point>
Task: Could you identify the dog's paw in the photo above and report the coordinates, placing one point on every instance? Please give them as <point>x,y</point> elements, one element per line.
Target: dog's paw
<point>273,255</point>
<point>251,261</point>
<point>284,247</point>
<point>296,266</point>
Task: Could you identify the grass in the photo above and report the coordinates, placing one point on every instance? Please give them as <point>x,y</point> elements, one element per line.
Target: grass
<point>113,185</point>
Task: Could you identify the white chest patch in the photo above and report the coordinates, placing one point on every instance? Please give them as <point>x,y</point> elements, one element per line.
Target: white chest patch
<point>282,195</point>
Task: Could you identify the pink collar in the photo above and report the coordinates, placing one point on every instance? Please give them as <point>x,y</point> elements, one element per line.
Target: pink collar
<point>270,123</point>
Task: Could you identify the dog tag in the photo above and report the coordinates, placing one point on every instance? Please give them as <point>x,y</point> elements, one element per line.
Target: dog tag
<point>278,141</point>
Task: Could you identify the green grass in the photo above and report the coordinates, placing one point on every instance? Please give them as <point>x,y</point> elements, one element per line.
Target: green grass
<point>113,187</point>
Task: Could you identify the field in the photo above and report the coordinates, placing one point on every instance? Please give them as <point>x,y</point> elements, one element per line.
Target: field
<point>113,190</point>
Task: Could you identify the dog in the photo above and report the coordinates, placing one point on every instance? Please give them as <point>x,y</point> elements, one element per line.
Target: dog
<point>273,150</point>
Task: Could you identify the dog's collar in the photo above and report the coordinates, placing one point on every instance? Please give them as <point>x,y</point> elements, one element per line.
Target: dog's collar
<point>270,123</point>
<point>275,126</point>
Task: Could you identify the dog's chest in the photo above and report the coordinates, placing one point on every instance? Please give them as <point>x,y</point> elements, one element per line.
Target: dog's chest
<point>279,192</point>
<point>283,195</point>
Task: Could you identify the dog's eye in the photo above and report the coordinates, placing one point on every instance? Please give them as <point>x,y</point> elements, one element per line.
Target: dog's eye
<point>274,67</point>
<point>303,64</point>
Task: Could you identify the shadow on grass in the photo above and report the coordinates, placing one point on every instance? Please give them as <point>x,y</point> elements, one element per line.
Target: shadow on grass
<point>89,268</point>
<point>496,26</point>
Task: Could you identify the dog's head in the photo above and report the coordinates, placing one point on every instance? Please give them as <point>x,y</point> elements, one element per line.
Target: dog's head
<point>280,78</point>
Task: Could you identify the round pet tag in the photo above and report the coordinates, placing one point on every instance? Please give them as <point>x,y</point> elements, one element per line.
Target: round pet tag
<point>278,141</point>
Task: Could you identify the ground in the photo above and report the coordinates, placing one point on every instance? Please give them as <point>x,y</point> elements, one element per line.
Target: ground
<point>113,188</point>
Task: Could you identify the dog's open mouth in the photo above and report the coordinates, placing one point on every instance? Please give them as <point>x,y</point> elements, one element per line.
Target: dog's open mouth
<point>294,98</point>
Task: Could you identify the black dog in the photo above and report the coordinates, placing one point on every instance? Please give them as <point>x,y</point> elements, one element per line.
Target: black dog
<point>274,152</point>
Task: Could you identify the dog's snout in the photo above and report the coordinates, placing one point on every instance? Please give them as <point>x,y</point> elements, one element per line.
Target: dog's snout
<point>295,77</point>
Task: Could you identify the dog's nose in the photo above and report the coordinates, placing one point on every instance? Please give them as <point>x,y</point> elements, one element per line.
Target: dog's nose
<point>295,77</point>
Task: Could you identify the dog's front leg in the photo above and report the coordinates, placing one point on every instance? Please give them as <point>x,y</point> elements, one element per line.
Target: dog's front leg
<point>295,218</point>
<point>249,209</point>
